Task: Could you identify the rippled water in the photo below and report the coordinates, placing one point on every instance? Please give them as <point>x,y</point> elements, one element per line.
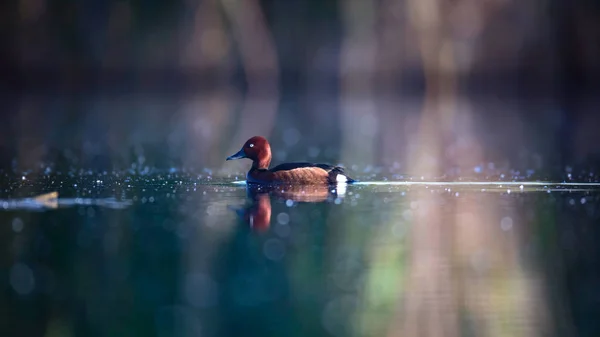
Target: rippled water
<point>188,255</point>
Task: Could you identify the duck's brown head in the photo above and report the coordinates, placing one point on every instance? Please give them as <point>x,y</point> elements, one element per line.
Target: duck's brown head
<point>258,150</point>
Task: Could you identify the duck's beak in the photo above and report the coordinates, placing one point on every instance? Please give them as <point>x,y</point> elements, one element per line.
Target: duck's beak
<point>239,155</point>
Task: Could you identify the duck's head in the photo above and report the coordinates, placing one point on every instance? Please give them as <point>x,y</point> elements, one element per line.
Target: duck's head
<point>258,150</point>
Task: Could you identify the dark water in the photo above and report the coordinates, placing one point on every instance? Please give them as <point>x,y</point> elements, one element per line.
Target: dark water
<point>178,254</point>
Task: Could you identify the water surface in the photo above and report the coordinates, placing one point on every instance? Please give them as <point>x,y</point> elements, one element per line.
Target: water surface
<point>177,254</point>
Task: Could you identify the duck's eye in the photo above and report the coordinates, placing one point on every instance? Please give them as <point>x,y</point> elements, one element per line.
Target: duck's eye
<point>251,145</point>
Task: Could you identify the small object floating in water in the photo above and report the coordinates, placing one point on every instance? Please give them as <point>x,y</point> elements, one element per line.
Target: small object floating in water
<point>259,151</point>
<point>49,200</point>
<point>39,202</point>
<point>52,196</point>
<point>52,201</point>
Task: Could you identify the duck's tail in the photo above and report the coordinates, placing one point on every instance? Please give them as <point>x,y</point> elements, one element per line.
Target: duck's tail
<point>337,175</point>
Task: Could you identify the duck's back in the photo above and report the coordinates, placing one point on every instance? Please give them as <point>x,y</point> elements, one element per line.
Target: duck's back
<point>292,166</point>
<point>308,173</point>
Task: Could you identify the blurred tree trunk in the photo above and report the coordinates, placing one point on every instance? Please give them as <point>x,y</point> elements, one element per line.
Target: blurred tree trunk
<point>395,105</point>
<point>428,21</point>
<point>359,121</point>
<point>259,59</point>
<point>207,59</point>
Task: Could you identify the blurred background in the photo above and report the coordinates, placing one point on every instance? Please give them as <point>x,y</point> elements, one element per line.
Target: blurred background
<point>420,84</point>
<point>143,100</point>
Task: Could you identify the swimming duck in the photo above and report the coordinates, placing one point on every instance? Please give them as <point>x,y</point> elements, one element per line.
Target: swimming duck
<point>258,150</point>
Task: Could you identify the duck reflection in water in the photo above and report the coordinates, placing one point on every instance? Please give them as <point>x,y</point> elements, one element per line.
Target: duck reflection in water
<point>257,214</point>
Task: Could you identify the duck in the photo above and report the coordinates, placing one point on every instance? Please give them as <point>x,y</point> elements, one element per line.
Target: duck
<point>258,150</point>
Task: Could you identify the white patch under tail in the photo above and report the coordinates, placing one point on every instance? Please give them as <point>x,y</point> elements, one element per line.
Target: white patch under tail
<point>341,189</point>
<point>340,178</point>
